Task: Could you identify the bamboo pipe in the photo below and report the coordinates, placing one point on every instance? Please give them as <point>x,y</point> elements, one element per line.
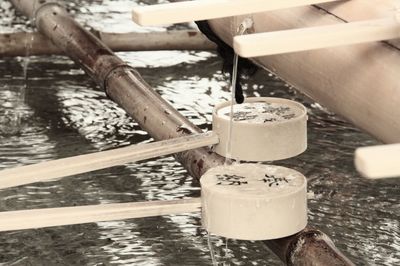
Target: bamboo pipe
<point>121,82</point>
<point>40,218</point>
<point>304,39</point>
<point>22,43</point>
<point>382,161</point>
<point>186,11</point>
<point>54,169</point>
<point>358,82</point>
<point>155,115</point>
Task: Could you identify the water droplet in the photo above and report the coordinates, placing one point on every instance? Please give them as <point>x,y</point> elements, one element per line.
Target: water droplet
<point>212,253</point>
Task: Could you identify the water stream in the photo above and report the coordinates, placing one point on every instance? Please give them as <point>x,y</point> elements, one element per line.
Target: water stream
<point>233,86</point>
<point>212,253</point>
<point>14,107</point>
<point>19,109</point>
<point>241,30</point>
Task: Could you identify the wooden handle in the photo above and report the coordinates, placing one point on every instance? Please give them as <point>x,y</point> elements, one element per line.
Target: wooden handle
<point>39,218</point>
<point>47,171</point>
<point>279,42</point>
<point>209,9</point>
<point>378,161</point>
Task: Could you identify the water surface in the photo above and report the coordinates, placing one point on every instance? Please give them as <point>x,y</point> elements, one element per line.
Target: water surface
<point>65,114</point>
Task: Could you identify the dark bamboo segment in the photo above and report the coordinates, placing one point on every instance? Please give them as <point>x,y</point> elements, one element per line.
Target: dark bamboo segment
<point>15,44</point>
<point>310,243</point>
<point>125,86</point>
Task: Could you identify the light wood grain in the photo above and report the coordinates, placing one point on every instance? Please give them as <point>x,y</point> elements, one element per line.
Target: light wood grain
<point>209,9</point>
<point>371,9</point>
<point>47,171</point>
<point>39,218</point>
<point>381,161</point>
<point>279,42</point>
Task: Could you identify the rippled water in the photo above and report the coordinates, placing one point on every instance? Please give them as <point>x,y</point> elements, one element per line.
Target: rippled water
<point>64,114</point>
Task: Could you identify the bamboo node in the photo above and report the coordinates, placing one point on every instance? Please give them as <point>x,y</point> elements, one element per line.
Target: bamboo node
<point>113,71</point>
<point>43,4</point>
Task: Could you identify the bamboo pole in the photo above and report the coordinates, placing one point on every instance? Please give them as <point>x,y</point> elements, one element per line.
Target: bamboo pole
<point>15,44</point>
<point>125,86</point>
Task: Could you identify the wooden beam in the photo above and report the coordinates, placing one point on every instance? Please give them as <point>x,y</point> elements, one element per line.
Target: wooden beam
<point>50,170</point>
<point>187,11</point>
<point>305,39</point>
<point>371,9</point>
<point>382,161</point>
<point>350,10</point>
<point>39,218</point>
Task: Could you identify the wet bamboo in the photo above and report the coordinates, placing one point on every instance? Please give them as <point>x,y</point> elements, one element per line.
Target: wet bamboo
<point>125,86</point>
<point>21,43</point>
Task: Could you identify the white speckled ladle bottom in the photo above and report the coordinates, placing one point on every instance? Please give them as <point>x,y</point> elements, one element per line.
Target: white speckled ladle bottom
<point>253,201</point>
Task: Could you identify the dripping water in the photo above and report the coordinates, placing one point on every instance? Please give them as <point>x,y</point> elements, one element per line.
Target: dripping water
<point>22,90</point>
<point>14,105</point>
<point>212,253</point>
<point>28,47</point>
<point>246,24</point>
<point>21,95</point>
<point>227,255</point>
<point>233,86</point>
